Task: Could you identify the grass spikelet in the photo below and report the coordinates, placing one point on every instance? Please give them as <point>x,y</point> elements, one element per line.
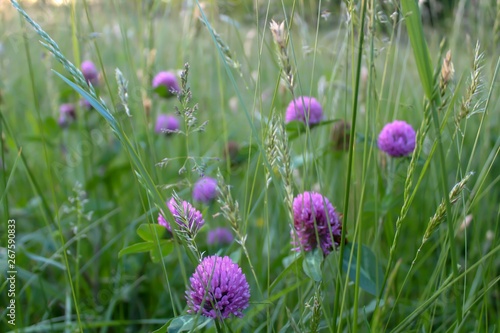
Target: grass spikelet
<point>187,112</point>
<point>223,47</point>
<point>315,309</point>
<point>53,48</point>
<point>447,71</point>
<point>77,204</point>
<point>230,209</point>
<point>438,218</point>
<point>231,212</point>
<point>122,90</point>
<point>466,107</point>
<point>278,155</point>
<point>280,38</point>
<point>187,234</point>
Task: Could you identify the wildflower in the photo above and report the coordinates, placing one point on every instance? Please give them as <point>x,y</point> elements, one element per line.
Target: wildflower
<point>165,84</point>
<point>305,109</point>
<point>90,72</point>
<point>67,114</point>
<point>397,139</point>
<point>341,135</point>
<point>315,221</point>
<point>188,214</point>
<point>218,289</point>
<point>220,236</point>
<point>205,190</point>
<point>166,124</point>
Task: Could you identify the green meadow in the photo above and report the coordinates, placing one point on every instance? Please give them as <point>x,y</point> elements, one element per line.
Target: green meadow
<point>413,243</point>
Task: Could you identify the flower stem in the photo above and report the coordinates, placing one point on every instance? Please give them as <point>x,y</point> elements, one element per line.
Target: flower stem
<point>218,326</point>
<point>350,165</point>
<point>451,237</point>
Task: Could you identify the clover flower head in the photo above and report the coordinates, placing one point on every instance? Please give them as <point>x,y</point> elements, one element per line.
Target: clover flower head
<point>90,72</point>
<point>218,289</point>
<point>166,124</point>
<point>305,109</point>
<point>397,139</point>
<point>205,190</point>
<point>220,236</point>
<point>315,222</point>
<point>167,80</point>
<point>193,217</point>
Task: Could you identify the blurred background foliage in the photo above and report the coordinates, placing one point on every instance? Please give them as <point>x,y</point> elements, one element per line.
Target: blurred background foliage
<point>434,12</point>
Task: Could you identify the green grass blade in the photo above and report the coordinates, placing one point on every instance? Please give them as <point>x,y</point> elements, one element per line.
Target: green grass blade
<point>419,45</point>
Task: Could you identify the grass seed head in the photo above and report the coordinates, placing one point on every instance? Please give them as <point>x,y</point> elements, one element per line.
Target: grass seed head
<point>447,71</point>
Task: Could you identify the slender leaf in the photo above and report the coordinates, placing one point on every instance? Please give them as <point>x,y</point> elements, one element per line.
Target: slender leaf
<point>95,103</point>
<point>136,248</point>
<point>418,44</point>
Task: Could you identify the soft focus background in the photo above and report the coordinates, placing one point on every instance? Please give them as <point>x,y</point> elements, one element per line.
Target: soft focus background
<point>78,200</point>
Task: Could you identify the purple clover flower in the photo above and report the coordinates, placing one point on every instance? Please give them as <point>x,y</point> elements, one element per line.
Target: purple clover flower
<point>397,139</point>
<point>205,190</point>
<point>194,218</point>
<point>315,221</point>
<point>305,109</point>
<point>218,289</point>
<point>167,80</point>
<point>166,124</point>
<point>220,236</point>
<point>67,114</point>
<point>90,72</point>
